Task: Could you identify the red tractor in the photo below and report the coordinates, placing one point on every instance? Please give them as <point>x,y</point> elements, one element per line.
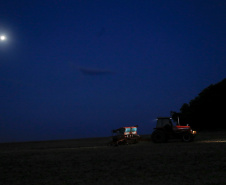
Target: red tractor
<point>165,130</point>
<point>125,135</point>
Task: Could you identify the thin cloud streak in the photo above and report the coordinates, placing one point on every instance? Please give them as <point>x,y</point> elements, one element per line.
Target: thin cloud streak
<point>95,72</point>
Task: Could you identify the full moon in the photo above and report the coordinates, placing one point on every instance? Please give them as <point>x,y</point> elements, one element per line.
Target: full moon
<point>2,37</point>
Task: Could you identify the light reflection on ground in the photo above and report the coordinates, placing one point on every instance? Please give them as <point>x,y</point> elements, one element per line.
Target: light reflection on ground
<point>213,141</point>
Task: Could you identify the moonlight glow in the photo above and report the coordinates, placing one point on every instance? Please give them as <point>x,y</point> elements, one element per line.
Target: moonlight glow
<point>2,37</point>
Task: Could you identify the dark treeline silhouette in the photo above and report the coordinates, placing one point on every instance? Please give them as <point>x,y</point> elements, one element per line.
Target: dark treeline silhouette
<point>207,111</point>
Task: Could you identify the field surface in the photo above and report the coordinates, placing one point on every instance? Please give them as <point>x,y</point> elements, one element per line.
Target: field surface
<point>91,161</point>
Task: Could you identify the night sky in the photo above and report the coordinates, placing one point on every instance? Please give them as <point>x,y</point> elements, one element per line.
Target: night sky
<point>79,68</point>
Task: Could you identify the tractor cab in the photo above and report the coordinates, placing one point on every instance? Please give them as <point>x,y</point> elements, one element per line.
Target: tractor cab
<point>168,124</point>
<point>163,122</point>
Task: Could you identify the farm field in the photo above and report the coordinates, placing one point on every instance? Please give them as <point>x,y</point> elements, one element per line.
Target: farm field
<point>91,161</point>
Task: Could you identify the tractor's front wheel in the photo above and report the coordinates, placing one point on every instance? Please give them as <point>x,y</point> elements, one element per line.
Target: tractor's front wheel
<point>158,136</point>
<point>187,137</point>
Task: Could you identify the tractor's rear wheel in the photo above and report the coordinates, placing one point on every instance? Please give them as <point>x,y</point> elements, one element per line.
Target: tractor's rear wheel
<point>158,136</point>
<point>187,137</point>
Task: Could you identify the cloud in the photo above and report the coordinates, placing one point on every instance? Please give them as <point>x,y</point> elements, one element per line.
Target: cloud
<point>95,72</point>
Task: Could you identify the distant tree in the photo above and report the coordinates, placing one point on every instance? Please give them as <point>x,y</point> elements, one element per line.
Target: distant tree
<point>206,111</point>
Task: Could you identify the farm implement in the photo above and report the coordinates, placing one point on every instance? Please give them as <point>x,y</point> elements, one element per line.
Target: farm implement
<point>125,135</point>
<point>165,130</point>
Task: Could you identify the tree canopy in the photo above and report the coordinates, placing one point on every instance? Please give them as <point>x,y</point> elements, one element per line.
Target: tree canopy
<point>207,111</point>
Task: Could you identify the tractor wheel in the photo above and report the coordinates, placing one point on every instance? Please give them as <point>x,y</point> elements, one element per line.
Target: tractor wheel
<point>187,137</point>
<point>158,136</point>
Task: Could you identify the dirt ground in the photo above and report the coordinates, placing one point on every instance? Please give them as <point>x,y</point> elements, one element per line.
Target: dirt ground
<point>90,161</point>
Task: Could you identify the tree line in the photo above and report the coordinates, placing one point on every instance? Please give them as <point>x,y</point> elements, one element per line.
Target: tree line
<point>207,111</point>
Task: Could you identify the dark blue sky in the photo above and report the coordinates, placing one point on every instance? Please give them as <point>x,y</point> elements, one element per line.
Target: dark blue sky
<point>72,69</point>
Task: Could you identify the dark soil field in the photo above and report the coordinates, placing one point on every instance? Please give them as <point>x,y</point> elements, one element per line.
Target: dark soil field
<point>91,161</point>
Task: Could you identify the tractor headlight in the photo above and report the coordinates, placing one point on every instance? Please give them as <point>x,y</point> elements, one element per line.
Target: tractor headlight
<point>192,132</point>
